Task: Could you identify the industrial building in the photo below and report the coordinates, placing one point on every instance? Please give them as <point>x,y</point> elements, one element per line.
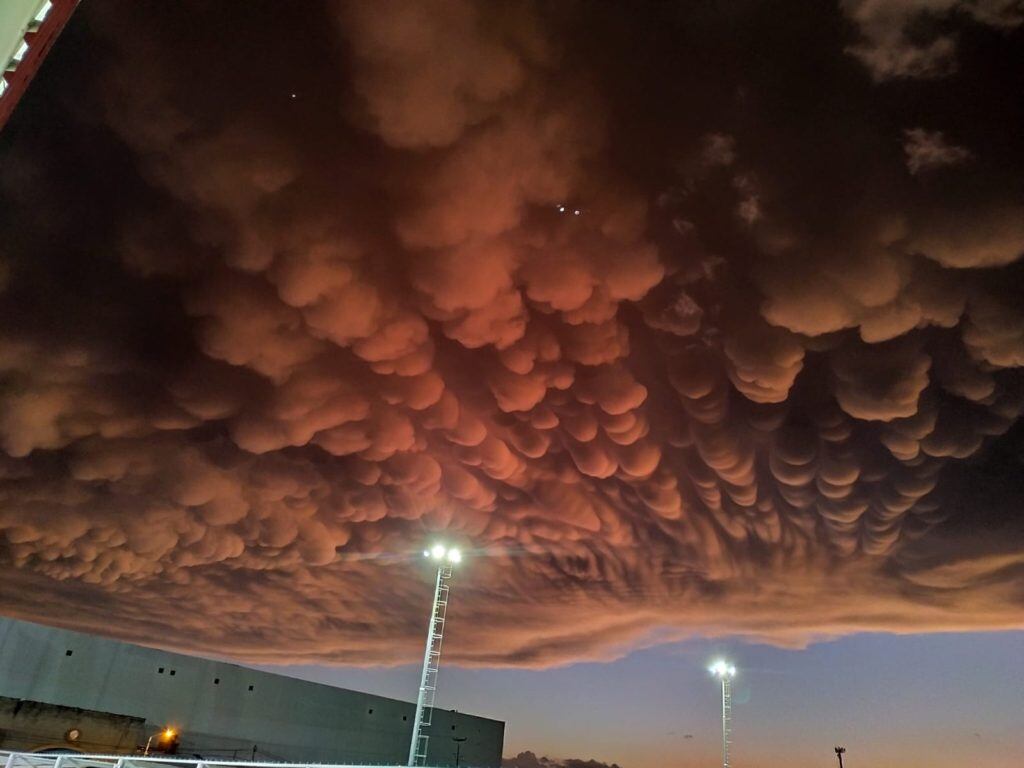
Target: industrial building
<point>28,29</point>
<point>67,690</point>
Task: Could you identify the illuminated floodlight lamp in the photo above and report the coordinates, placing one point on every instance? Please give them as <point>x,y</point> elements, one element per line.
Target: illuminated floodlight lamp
<point>441,552</point>
<point>43,12</point>
<point>165,737</point>
<point>19,54</point>
<point>722,669</point>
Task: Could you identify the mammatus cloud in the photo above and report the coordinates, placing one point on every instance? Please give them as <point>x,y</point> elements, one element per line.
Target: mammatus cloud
<point>666,349</point>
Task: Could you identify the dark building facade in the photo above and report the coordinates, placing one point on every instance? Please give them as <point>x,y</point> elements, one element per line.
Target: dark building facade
<point>62,689</point>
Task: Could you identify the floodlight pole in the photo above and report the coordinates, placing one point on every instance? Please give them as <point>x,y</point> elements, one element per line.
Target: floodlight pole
<point>431,657</point>
<point>726,718</point>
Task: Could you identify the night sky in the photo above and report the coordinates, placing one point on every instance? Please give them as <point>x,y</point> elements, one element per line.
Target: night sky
<point>698,326</point>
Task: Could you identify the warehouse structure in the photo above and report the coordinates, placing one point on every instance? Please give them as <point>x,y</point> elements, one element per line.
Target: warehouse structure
<point>67,690</point>
<point>28,29</point>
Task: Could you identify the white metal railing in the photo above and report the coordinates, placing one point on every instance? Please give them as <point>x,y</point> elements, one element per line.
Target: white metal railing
<point>78,760</point>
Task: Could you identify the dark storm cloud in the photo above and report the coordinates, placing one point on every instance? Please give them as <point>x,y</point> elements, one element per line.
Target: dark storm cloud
<point>927,151</point>
<point>918,38</point>
<point>677,321</point>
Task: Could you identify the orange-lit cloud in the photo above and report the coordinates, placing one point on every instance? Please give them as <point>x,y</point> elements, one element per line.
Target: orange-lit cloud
<point>661,366</point>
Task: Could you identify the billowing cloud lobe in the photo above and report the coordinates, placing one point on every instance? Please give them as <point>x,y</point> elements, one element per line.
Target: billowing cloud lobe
<point>667,349</point>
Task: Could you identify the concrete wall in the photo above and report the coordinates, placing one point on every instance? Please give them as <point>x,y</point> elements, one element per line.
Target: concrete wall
<point>27,726</point>
<point>223,709</point>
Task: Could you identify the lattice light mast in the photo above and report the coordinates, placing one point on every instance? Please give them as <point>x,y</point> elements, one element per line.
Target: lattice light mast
<point>445,557</point>
<point>725,672</point>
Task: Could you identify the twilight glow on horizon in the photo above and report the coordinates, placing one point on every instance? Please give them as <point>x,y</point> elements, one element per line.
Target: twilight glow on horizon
<point>685,326</point>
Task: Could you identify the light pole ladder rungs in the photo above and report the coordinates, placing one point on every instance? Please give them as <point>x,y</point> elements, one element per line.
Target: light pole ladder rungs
<point>431,661</point>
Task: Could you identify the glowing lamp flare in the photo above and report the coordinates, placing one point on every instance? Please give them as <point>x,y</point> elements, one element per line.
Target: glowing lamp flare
<point>721,669</point>
<point>441,552</point>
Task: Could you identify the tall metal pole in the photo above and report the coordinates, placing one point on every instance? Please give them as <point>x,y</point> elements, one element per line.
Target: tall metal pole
<point>428,678</point>
<point>726,718</point>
